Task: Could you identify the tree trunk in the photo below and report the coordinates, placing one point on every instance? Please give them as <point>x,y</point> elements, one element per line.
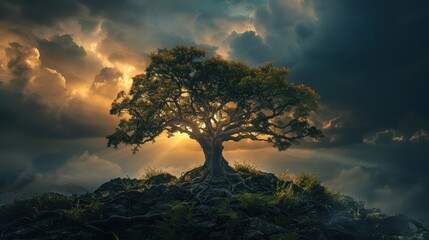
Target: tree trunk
<point>214,159</point>
<point>216,169</point>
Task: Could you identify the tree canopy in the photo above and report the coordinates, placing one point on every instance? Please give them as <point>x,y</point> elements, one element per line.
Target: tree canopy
<point>213,100</point>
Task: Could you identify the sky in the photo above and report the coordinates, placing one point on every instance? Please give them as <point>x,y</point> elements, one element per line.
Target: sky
<point>63,62</point>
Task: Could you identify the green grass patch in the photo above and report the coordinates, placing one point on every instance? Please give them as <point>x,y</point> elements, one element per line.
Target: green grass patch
<point>177,226</point>
<point>254,204</point>
<point>287,198</point>
<point>31,207</point>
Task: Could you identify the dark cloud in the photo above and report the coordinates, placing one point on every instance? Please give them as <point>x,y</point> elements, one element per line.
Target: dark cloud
<point>61,53</point>
<point>106,82</point>
<point>60,46</point>
<point>373,56</point>
<point>88,25</point>
<point>61,173</point>
<point>123,11</point>
<point>394,170</point>
<point>250,48</point>
<point>45,12</point>
<point>304,29</point>
<point>11,167</point>
<point>21,64</point>
<point>78,119</point>
<point>49,162</point>
<point>363,57</point>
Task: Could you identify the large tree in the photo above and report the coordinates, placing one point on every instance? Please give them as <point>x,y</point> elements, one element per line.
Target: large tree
<point>213,101</point>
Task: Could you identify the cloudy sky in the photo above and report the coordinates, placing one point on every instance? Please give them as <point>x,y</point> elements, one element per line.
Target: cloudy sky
<point>62,63</point>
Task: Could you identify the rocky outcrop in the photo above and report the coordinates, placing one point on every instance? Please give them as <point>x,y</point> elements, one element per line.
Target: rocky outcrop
<point>163,208</point>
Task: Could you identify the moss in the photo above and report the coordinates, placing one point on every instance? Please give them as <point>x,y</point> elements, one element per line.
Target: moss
<point>105,194</point>
<point>85,212</point>
<point>253,204</point>
<point>308,181</point>
<point>287,198</point>
<point>178,225</point>
<point>181,214</point>
<point>314,190</point>
<point>74,213</point>
<point>248,171</point>
<point>227,211</point>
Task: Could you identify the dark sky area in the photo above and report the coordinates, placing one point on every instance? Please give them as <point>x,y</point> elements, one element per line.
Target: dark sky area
<point>62,63</point>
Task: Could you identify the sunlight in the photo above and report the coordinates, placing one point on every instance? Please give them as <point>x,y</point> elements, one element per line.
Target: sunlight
<point>171,145</point>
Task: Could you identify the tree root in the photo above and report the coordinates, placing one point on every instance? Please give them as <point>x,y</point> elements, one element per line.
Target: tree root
<point>17,222</point>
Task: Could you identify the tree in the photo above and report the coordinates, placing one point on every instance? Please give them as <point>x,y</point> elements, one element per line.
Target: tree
<point>213,101</point>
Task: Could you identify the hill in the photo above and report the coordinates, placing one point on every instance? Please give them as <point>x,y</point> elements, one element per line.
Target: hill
<point>258,206</point>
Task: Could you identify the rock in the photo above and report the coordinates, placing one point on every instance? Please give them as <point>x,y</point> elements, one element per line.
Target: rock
<point>343,225</point>
<point>394,225</point>
<point>119,185</point>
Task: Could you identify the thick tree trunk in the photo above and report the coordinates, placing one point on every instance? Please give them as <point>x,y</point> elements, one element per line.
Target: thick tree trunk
<point>216,169</point>
<point>214,160</point>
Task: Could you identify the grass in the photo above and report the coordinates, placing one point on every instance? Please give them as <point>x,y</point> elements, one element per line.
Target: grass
<point>287,198</point>
<point>226,211</point>
<point>152,172</point>
<point>31,207</point>
<point>246,167</point>
<point>287,176</point>
<point>89,211</point>
<point>248,171</point>
<point>178,222</point>
<point>67,204</point>
<point>253,203</point>
<point>308,181</point>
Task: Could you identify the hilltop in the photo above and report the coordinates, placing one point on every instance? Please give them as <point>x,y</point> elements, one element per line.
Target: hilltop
<point>161,206</point>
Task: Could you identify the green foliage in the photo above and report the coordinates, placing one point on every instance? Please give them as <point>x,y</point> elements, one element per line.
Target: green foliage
<point>253,203</point>
<point>227,211</point>
<point>212,98</point>
<point>247,170</point>
<point>30,207</point>
<point>178,224</point>
<point>307,181</point>
<point>75,213</point>
<point>311,185</point>
<point>90,211</point>
<point>287,176</point>
<point>287,198</point>
<point>154,176</point>
<point>67,204</point>
<point>105,194</point>
<point>181,214</point>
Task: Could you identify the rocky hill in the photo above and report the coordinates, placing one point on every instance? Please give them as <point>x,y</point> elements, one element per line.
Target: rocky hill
<point>160,206</point>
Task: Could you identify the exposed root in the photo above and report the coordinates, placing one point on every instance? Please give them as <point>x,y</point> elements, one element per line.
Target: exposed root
<point>15,223</point>
<point>205,187</point>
